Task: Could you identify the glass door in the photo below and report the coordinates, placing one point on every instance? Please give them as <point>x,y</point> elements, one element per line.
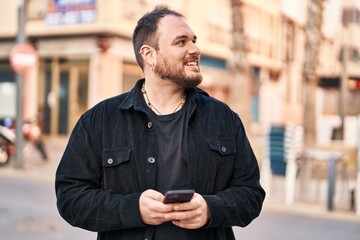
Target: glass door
<point>65,94</point>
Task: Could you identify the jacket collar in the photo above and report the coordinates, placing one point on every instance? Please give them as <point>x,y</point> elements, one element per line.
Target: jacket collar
<point>134,98</point>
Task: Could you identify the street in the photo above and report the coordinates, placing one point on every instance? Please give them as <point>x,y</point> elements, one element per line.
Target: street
<point>288,226</point>
<point>28,212</point>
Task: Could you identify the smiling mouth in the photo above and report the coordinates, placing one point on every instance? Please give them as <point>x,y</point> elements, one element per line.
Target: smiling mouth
<point>195,63</point>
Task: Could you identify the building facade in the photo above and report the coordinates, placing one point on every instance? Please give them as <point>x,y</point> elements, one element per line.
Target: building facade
<point>86,55</point>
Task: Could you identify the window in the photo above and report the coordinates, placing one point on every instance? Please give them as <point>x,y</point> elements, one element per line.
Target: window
<point>7,91</point>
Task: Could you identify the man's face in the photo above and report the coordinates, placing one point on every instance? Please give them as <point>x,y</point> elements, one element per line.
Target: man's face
<point>178,56</point>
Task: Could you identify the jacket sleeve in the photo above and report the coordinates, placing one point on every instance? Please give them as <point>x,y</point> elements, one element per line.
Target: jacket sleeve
<point>242,201</point>
<point>81,201</point>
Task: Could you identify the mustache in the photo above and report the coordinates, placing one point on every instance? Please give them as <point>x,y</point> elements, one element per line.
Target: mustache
<point>193,59</point>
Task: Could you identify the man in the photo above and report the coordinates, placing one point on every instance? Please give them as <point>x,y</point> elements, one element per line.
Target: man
<point>165,134</point>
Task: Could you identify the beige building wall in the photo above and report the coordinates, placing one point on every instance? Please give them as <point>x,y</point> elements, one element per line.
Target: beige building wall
<point>117,19</point>
<point>111,71</point>
<point>8,12</point>
<point>74,49</point>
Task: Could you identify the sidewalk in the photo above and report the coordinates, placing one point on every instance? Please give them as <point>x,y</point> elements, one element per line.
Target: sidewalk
<point>34,168</point>
<point>315,206</point>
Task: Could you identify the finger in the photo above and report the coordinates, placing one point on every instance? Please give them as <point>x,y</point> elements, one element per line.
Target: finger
<point>188,206</point>
<point>181,215</point>
<point>154,201</point>
<point>152,217</point>
<point>187,225</point>
<point>155,206</point>
<point>152,194</point>
<point>151,209</point>
<point>192,223</point>
<point>196,202</point>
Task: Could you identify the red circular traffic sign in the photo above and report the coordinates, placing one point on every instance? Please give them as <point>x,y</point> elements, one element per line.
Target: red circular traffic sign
<point>23,56</point>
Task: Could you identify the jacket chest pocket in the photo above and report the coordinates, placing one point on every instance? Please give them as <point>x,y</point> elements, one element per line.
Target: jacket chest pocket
<point>223,147</point>
<point>119,171</point>
<point>221,161</point>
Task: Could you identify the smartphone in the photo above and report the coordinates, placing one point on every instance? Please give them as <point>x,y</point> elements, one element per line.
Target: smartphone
<point>178,196</point>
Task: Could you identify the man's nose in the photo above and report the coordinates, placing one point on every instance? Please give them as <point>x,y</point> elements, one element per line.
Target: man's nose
<point>194,49</point>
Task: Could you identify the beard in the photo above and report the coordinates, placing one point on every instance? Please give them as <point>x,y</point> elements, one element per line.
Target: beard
<point>176,75</point>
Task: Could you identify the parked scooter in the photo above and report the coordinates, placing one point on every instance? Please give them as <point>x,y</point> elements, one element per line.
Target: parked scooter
<point>32,135</point>
<point>7,145</point>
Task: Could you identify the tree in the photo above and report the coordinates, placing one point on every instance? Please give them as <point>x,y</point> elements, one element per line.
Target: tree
<point>313,38</point>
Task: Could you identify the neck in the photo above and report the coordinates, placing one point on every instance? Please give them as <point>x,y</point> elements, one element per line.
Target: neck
<point>163,99</point>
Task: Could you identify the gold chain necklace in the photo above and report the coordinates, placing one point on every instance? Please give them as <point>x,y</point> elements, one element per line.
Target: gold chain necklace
<point>152,107</point>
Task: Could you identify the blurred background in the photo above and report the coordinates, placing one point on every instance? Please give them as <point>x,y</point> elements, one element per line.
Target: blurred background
<point>289,68</point>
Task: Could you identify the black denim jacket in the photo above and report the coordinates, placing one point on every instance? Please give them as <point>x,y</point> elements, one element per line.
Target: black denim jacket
<point>111,156</point>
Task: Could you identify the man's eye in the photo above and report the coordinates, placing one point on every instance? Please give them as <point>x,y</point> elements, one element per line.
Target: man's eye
<point>182,42</point>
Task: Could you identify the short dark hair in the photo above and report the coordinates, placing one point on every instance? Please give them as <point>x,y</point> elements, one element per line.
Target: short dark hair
<point>145,30</point>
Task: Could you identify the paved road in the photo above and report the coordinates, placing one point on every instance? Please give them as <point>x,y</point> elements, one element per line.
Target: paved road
<point>28,212</point>
<point>289,226</point>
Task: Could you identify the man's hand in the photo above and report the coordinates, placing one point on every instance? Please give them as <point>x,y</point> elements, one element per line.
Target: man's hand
<point>190,215</point>
<point>152,208</point>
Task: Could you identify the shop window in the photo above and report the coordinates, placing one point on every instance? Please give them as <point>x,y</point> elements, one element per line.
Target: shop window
<point>353,103</point>
<point>7,91</point>
<point>7,97</point>
<point>83,89</point>
<point>63,103</point>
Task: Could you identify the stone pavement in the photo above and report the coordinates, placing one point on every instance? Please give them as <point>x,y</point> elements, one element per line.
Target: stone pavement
<point>34,168</point>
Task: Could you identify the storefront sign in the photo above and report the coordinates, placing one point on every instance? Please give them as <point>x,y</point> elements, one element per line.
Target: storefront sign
<point>63,12</point>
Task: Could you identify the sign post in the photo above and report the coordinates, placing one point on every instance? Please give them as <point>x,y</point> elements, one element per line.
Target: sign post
<point>22,58</point>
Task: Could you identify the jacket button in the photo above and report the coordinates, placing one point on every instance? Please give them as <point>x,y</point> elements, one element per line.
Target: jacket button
<point>110,161</point>
<point>151,160</point>
<point>223,149</point>
<point>150,124</point>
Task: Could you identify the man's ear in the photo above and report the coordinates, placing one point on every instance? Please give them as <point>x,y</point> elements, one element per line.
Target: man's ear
<point>148,54</point>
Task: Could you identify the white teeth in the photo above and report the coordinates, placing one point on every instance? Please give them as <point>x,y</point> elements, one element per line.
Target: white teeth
<point>191,64</point>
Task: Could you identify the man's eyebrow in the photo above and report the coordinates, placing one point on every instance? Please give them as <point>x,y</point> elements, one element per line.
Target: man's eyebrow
<point>185,37</point>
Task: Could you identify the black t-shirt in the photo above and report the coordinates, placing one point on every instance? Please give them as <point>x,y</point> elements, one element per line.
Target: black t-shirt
<point>171,164</point>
